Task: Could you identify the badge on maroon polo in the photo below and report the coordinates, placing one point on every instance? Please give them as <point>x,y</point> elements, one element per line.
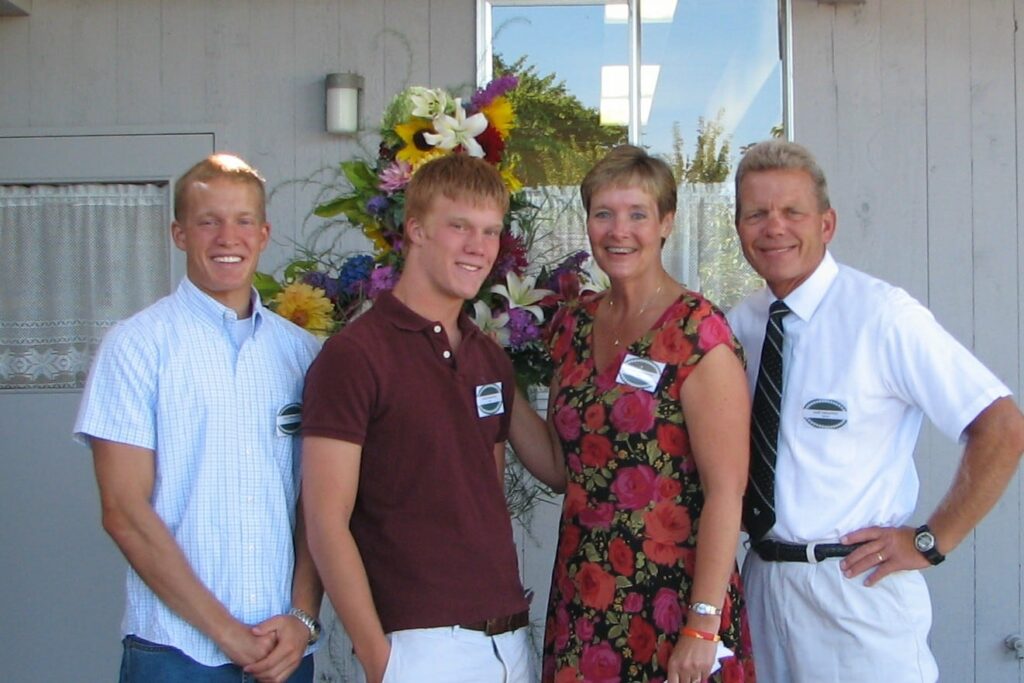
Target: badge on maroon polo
<point>489,400</point>
<point>641,373</point>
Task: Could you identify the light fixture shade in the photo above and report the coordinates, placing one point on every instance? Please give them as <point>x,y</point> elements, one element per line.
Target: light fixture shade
<point>343,102</point>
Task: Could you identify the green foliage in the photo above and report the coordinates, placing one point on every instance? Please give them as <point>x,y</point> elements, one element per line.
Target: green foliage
<point>557,139</point>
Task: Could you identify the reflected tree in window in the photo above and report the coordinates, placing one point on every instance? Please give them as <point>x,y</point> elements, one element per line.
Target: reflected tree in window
<point>557,137</point>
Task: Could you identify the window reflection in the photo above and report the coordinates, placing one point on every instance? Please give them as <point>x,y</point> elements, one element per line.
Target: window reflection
<point>710,84</point>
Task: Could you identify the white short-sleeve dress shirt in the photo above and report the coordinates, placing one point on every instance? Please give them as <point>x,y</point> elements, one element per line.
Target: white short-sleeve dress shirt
<point>219,415</point>
<point>863,363</point>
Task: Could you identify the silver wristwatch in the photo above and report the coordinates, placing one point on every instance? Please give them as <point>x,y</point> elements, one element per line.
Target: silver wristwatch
<point>309,622</point>
<point>705,609</point>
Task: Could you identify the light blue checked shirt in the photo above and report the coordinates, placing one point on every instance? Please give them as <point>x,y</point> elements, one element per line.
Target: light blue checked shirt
<point>172,379</point>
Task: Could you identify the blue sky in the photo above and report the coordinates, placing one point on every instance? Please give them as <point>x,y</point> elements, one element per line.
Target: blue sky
<point>713,55</point>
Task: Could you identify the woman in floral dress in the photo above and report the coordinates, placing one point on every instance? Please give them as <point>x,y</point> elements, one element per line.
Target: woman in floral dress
<point>651,408</point>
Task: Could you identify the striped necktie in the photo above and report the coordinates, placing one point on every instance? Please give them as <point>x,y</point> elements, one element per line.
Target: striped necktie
<point>759,502</point>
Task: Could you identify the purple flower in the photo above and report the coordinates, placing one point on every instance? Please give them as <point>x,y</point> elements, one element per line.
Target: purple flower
<point>382,279</point>
<point>572,265</point>
<point>523,327</point>
<point>394,177</point>
<point>496,88</point>
<point>325,282</point>
<point>377,205</point>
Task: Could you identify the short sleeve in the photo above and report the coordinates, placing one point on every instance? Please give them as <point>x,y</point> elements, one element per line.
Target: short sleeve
<point>927,367</point>
<point>340,393</point>
<point>119,401</point>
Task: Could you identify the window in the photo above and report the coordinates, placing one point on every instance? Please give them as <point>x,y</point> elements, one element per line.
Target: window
<point>692,81</point>
<point>74,259</point>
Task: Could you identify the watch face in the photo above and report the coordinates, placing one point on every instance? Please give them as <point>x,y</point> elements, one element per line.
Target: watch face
<point>924,541</point>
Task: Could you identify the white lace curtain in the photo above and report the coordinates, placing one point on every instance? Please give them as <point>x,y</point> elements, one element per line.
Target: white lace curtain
<point>74,259</point>
<point>702,252</point>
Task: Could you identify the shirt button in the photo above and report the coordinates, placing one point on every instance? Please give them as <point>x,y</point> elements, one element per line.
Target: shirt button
<point>447,354</point>
<point>252,597</point>
<point>437,329</point>
<point>252,547</point>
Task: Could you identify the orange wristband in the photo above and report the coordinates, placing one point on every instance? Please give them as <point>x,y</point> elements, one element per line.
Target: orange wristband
<point>700,635</point>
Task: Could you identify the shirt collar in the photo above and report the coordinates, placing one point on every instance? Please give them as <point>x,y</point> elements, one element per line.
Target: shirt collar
<point>804,300</point>
<point>214,312</point>
<point>404,318</point>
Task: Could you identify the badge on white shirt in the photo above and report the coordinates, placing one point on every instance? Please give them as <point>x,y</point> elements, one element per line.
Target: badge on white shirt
<point>289,419</point>
<point>642,373</point>
<point>489,400</point>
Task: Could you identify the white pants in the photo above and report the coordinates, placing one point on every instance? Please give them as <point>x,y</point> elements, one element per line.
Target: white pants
<point>450,654</point>
<point>810,624</point>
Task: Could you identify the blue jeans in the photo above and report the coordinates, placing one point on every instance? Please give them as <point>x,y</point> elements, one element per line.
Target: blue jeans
<point>146,662</point>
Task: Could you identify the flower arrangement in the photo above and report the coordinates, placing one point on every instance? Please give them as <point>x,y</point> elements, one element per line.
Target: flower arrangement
<point>323,292</point>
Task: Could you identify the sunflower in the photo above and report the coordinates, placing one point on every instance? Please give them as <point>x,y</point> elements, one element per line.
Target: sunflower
<point>306,306</point>
<point>415,147</point>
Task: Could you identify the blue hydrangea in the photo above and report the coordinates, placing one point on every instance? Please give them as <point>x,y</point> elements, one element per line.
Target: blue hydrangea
<point>355,273</point>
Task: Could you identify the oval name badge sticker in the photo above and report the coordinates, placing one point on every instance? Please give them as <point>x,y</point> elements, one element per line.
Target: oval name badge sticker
<point>489,401</point>
<point>825,413</point>
<point>289,420</point>
<point>642,373</point>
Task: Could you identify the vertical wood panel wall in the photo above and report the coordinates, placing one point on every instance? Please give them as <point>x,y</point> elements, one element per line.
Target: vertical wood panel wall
<point>913,108</point>
<point>251,70</point>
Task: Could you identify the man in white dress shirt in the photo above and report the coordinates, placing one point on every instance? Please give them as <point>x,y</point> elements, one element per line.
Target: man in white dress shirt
<point>191,411</point>
<point>834,587</point>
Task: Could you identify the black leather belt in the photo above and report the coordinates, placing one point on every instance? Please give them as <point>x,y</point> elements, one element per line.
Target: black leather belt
<point>776,551</point>
<point>499,625</point>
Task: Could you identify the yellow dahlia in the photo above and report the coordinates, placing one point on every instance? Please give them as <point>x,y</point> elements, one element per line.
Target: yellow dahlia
<point>500,115</point>
<point>306,306</point>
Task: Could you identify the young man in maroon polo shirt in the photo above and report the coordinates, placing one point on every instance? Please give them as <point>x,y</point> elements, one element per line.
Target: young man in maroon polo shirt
<point>405,418</point>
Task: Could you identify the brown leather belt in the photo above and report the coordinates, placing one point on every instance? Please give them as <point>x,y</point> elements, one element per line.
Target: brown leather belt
<point>499,625</point>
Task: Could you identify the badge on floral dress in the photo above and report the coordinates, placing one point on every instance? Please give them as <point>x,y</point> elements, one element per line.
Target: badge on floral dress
<point>642,373</point>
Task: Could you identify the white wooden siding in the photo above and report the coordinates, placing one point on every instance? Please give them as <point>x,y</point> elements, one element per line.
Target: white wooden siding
<point>914,109</point>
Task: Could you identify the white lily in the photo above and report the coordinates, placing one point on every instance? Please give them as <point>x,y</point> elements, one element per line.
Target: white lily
<point>456,130</point>
<point>495,327</point>
<point>521,294</point>
<point>597,279</point>
<point>428,103</point>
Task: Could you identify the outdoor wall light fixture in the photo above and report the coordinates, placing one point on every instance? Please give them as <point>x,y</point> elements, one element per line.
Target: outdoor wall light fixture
<point>343,102</point>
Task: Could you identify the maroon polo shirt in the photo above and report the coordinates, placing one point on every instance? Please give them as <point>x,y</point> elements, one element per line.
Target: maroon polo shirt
<point>430,518</point>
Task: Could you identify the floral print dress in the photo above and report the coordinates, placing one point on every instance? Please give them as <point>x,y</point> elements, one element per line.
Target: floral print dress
<point>620,588</point>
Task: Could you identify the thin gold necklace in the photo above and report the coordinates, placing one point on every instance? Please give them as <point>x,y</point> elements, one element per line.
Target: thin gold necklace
<point>611,305</point>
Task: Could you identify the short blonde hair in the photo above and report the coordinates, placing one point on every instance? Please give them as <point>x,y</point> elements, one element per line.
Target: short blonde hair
<point>220,165</point>
<point>628,165</point>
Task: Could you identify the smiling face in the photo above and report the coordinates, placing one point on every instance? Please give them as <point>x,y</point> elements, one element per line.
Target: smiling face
<point>454,245</point>
<point>222,232</point>
<point>782,228</point>
<point>626,231</point>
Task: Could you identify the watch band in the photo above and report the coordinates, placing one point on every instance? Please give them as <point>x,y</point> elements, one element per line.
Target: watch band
<point>309,622</point>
